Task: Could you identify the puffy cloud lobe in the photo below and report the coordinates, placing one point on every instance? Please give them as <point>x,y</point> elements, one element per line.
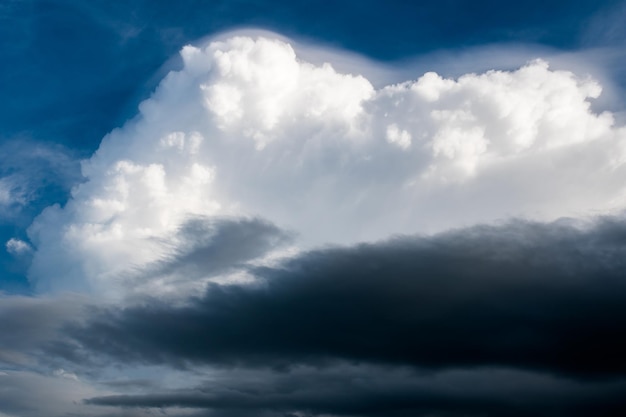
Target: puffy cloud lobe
<point>477,120</point>
<point>258,88</point>
<point>246,128</point>
<point>112,220</point>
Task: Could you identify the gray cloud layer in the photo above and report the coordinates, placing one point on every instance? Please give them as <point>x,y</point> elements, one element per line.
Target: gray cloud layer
<point>515,320</point>
<point>387,391</point>
<point>519,319</point>
<point>546,297</point>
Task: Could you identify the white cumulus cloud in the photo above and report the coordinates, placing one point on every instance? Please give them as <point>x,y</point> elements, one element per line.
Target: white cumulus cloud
<point>246,128</point>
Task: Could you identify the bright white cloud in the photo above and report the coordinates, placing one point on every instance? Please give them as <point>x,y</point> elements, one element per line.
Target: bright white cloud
<point>247,128</point>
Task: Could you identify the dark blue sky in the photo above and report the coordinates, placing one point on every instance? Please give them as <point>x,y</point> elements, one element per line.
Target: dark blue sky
<point>74,70</point>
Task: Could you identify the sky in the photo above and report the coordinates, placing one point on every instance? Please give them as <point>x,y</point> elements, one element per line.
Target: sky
<point>312,209</point>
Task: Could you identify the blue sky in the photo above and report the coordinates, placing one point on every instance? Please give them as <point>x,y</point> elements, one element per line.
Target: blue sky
<point>185,168</point>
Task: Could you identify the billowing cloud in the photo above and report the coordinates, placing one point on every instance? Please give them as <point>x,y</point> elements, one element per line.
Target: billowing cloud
<point>246,128</point>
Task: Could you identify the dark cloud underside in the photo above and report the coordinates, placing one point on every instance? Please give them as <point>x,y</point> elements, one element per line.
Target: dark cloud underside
<point>546,297</point>
<point>543,302</point>
<point>387,391</point>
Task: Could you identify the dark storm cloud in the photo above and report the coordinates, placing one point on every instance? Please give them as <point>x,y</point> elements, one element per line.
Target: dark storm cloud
<point>528,296</point>
<point>387,391</point>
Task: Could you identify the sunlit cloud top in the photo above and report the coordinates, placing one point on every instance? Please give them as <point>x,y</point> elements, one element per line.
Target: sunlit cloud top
<point>247,128</point>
